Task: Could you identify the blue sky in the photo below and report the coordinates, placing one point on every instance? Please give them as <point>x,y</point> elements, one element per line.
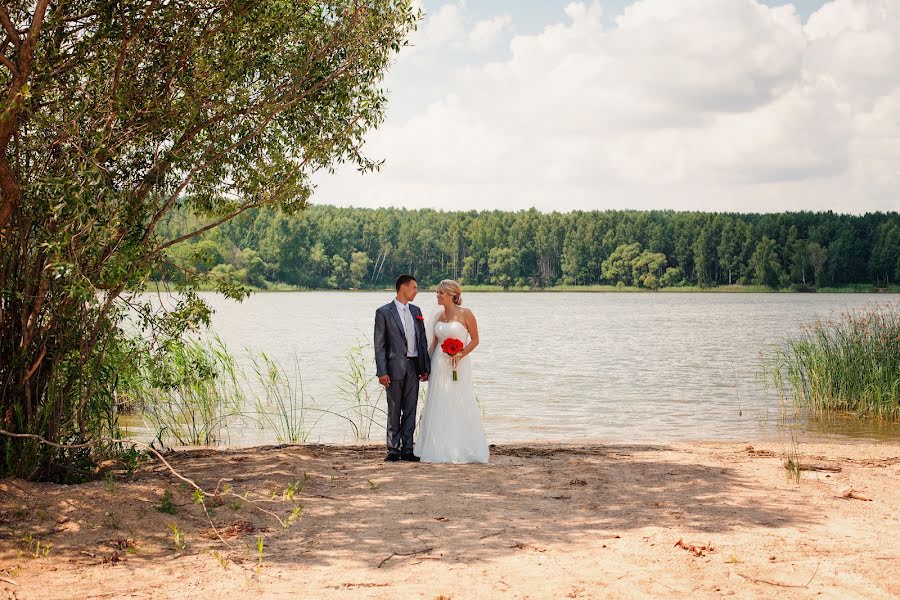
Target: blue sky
<point>673,104</point>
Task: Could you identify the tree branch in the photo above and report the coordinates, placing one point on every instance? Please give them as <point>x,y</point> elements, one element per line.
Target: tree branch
<point>8,64</point>
<point>10,28</point>
<point>206,227</point>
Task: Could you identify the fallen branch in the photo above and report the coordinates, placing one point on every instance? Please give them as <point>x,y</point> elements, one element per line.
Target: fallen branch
<point>492,534</point>
<point>767,582</point>
<point>414,553</point>
<point>853,494</point>
<point>818,467</point>
<point>9,581</point>
<point>784,585</point>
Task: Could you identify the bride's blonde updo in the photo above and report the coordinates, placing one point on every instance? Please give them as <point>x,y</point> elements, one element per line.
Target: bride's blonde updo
<point>448,286</point>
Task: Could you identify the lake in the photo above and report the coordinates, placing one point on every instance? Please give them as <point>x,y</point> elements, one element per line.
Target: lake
<point>631,367</point>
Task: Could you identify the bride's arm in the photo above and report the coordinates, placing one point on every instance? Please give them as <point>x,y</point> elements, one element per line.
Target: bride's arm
<point>472,326</point>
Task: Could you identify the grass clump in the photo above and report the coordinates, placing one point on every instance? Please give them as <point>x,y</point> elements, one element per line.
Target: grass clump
<point>165,504</point>
<point>851,363</point>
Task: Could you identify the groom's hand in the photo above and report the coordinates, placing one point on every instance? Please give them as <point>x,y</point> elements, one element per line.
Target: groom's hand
<point>385,380</point>
<point>423,377</point>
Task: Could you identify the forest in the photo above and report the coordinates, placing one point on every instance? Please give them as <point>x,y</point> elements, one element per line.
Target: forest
<point>326,247</point>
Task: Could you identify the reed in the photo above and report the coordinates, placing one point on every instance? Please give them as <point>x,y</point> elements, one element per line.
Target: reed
<point>851,363</point>
<point>363,393</point>
<point>187,393</point>
<point>283,408</point>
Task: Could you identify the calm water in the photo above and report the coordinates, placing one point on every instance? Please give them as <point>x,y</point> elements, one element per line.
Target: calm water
<point>565,366</point>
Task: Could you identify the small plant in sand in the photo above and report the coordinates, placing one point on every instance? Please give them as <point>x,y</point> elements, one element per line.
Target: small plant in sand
<point>165,504</point>
<point>223,561</point>
<point>34,548</point>
<point>792,461</point>
<point>295,487</point>
<point>178,540</point>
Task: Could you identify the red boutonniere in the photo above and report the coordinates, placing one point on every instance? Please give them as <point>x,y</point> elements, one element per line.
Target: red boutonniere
<point>420,318</point>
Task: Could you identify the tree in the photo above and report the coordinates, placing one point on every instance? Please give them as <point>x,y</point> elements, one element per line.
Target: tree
<point>115,115</point>
<point>470,270</point>
<point>672,277</point>
<point>799,260</point>
<point>885,259</point>
<point>817,256</point>
<point>647,269</point>
<point>620,264</point>
<point>502,263</point>
<point>765,265</point>
<point>340,272</point>
<point>359,268</point>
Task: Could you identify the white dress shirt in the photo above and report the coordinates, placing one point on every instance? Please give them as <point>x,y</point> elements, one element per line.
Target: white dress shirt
<point>409,328</point>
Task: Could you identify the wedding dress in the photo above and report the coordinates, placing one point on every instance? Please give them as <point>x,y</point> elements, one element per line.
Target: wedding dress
<point>450,430</point>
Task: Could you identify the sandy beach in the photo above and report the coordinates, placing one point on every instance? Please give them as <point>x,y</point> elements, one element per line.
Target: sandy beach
<point>702,520</point>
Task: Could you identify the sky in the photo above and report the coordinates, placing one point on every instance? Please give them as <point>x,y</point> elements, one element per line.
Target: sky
<point>710,105</point>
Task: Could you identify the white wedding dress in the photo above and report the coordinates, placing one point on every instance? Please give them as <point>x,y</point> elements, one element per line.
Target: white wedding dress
<point>450,430</point>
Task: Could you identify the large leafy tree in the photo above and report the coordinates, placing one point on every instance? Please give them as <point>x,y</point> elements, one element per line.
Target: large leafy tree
<point>115,116</point>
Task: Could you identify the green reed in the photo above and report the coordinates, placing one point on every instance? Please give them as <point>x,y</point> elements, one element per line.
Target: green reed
<point>851,363</point>
<point>360,387</point>
<point>187,392</point>
<point>284,408</point>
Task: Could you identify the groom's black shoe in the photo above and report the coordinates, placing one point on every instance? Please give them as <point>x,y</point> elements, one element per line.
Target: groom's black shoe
<point>410,457</point>
<point>392,457</point>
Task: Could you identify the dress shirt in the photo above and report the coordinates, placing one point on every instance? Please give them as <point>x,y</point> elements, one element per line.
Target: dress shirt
<point>409,328</point>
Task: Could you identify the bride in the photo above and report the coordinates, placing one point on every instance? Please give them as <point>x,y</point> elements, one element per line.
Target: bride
<point>451,429</point>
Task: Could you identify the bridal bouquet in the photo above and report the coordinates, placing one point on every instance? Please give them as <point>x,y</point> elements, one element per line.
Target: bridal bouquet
<point>452,346</point>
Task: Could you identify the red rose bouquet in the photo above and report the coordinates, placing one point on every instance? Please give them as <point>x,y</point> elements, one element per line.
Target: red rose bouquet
<point>452,347</point>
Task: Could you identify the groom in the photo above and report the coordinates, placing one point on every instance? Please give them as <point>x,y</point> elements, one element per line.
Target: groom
<point>401,362</point>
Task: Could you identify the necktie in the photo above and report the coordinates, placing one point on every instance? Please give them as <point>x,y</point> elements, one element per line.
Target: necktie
<point>408,330</point>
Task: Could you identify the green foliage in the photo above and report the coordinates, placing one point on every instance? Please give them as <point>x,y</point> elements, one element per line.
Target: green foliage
<point>503,266</point>
<point>120,118</point>
<point>848,364</point>
<point>184,390</point>
<point>363,393</point>
<point>619,267</point>
<point>765,264</point>
<point>282,408</point>
<point>528,248</point>
<point>165,504</point>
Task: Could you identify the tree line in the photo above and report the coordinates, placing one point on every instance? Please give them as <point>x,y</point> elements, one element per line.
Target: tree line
<point>345,248</point>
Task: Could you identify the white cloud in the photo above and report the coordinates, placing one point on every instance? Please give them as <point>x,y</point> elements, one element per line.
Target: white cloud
<point>485,33</point>
<point>696,104</point>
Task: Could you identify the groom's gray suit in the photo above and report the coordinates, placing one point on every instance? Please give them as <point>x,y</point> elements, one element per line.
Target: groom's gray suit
<point>391,359</point>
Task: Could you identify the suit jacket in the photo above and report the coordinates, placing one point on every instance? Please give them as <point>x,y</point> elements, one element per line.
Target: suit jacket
<point>390,342</point>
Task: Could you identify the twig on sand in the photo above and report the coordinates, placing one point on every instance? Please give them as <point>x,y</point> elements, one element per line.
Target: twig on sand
<point>784,585</point>
<point>492,534</point>
<point>851,493</point>
<point>9,581</point>
<point>818,467</point>
<point>413,553</point>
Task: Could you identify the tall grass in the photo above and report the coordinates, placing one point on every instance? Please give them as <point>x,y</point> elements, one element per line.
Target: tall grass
<point>283,409</point>
<point>851,363</point>
<point>187,393</point>
<point>361,389</point>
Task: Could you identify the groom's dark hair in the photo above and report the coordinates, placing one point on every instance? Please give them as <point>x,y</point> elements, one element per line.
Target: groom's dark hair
<point>403,280</point>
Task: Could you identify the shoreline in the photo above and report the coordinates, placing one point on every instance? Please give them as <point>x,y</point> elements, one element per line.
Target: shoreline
<point>581,520</point>
<point>589,289</point>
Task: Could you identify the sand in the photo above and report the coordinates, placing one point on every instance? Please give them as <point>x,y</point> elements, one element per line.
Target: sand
<point>702,520</point>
